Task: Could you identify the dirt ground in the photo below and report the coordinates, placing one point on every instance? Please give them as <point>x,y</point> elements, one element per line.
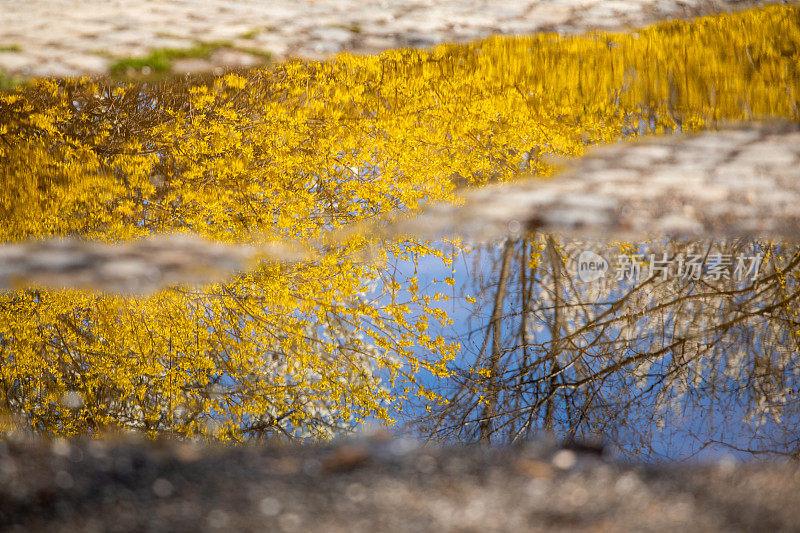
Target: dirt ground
<point>378,484</point>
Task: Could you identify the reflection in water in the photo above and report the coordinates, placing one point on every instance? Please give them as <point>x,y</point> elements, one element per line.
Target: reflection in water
<point>315,347</point>
<point>678,348</point>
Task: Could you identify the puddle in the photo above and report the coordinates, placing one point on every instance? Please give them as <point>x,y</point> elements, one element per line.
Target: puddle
<point>669,350</point>
<point>286,301</point>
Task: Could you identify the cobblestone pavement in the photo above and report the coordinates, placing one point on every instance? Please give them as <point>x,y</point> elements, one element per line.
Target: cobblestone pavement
<point>73,37</point>
<point>135,267</point>
<point>732,183</point>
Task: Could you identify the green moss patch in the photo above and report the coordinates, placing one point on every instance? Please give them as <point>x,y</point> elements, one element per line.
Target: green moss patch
<point>160,60</point>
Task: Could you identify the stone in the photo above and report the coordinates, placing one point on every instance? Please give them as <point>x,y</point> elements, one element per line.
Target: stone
<point>335,35</point>
<point>16,62</point>
<point>233,58</point>
<point>54,68</point>
<point>191,65</point>
<point>92,64</point>
<point>372,44</point>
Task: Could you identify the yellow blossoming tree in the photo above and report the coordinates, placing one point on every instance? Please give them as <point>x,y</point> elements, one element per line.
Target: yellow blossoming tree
<point>291,152</point>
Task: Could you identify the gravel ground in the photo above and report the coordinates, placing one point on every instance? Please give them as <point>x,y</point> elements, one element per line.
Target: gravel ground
<point>377,484</point>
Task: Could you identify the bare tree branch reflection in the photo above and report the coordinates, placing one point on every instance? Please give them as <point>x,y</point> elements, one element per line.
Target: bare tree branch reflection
<point>667,367</point>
